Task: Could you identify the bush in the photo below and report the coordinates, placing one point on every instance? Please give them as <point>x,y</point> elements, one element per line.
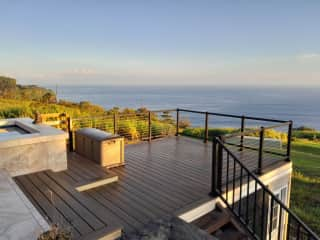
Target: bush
<point>162,129</point>
<point>184,123</point>
<point>55,233</point>
<point>271,133</point>
<point>14,112</point>
<point>306,134</point>
<point>304,128</point>
<point>213,132</point>
<point>128,129</point>
<point>142,128</point>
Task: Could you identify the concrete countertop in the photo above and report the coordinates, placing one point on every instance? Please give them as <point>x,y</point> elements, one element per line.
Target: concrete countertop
<point>37,133</point>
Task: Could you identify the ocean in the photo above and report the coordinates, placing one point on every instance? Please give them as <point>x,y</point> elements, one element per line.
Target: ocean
<point>298,104</point>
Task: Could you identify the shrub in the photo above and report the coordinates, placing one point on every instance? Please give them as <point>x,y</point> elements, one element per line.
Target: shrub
<point>142,128</point>
<point>55,233</point>
<point>162,129</point>
<point>213,132</point>
<point>271,133</point>
<point>156,129</point>
<point>128,129</point>
<point>306,134</point>
<point>184,123</point>
<point>304,128</point>
<point>14,112</point>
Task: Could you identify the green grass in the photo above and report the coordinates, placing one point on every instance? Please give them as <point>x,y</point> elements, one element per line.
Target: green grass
<point>306,157</point>
<point>305,192</point>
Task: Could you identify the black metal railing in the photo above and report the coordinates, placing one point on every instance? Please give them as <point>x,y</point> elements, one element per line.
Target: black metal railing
<point>260,211</point>
<point>148,125</point>
<point>261,145</point>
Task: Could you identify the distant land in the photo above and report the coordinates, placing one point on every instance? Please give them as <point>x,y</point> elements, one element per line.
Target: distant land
<point>25,100</point>
<point>9,89</point>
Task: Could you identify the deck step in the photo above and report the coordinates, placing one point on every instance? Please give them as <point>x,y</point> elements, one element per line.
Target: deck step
<point>92,174</point>
<point>221,224</point>
<point>96,182</point>
<point>230,233</point>
<point>107,233</point>
<point>212,221</point>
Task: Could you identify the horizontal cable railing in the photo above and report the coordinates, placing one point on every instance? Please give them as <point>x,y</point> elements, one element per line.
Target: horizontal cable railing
<point>132,126</point>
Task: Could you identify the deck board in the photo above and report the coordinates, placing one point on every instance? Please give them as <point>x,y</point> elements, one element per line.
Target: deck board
<point>159,178</point>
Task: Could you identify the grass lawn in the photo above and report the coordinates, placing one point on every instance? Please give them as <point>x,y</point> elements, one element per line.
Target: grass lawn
<point>305,193</point>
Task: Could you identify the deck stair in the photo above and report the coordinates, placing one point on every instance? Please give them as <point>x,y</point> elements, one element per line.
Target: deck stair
<point>92,175</point>
<point>221,224</point>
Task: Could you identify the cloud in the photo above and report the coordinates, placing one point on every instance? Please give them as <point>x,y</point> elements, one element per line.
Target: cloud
<point>83,71</point>
<point>309,56</point>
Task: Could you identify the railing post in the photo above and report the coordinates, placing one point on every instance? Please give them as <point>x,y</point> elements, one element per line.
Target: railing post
<point>37,118</point>
<point>149,127</point>
<point>214,172</point>
<point>115,123</point>
<point>206,130</point>
<point>261,141</point>
<point>219,163</point>
<point>289,141</point>
<point>242,131</point>
<point>70,134</point>
<point>177,123</point>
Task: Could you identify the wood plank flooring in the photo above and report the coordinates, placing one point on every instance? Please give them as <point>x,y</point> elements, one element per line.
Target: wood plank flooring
<point>159,178</point>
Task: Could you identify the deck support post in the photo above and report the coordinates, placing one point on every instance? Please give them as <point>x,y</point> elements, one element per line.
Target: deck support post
<point>261,142</point>
<point>206,130</point>
<point>177,123</point>
<point>289,141</point>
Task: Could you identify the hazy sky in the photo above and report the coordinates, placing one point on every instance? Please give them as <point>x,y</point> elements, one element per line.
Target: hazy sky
<point>161,42</point>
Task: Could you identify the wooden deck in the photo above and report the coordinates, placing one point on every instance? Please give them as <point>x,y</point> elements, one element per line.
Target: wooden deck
<point>159,178</point>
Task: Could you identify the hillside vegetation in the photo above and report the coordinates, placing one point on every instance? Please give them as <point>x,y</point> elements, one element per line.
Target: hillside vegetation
<point>9,89</point>
<point>12,108</point>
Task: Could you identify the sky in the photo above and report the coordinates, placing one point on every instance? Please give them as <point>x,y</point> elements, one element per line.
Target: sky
<point>161,42</point>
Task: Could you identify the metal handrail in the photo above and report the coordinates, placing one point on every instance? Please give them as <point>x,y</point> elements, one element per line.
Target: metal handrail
<point>215,190</point>
<point>124,114</point>
<point>234,116</point>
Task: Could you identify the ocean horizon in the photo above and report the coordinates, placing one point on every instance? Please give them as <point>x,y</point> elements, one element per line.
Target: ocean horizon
<point>299,104</point>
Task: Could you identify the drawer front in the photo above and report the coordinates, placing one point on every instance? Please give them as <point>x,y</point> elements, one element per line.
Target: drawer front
<point>112,152</point>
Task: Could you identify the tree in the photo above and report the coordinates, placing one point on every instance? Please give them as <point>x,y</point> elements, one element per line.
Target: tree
<point>7,87</point>
<point>49,98</point>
